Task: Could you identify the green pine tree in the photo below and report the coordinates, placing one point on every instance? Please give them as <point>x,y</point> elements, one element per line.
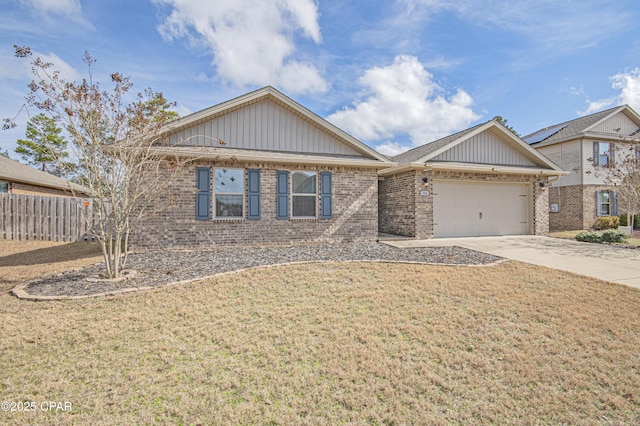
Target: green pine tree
<point>44,147</point>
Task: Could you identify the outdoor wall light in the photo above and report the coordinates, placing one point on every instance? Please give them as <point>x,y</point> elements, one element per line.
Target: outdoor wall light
<point>542,184</point>
<point>425,179</point>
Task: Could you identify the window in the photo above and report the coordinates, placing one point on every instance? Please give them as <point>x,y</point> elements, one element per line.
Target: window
<point>228,193</point>
<point>4,187</point>
<point>637,155</point>
<point>606,203</point>
<point>603,154</point>
<point>303,194</point>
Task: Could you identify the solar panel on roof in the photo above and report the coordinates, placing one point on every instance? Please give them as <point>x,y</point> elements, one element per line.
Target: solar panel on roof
<point>544,134</point>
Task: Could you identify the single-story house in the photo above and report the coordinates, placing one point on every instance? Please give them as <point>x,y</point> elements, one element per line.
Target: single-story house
<point>265,170</point>
<point>581,147</point>
<point>18,178</point>
<point>481,181</point>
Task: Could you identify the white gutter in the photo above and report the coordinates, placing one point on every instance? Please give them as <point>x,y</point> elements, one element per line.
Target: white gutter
<point>475,168</point>
<point>263,157</point>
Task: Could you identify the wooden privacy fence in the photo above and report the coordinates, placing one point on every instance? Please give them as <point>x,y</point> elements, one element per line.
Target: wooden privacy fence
<point>32,217</point>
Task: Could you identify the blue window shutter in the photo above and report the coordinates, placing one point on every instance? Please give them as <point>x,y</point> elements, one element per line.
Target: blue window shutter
<point>282,194</point>
<point>325,195</point>
<point>203,196</point>
<point>614,202</point>
<point>612,155</point>
<point>253,193</point>
<point>596,154</point>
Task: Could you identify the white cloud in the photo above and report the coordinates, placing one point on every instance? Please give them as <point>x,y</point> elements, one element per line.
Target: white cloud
<point>69,9</point>
<point>628,85</point>
<point>391,148</point>
<point>67,72</point>
<point>57,7</point>
<point>252,41</point>
<point>403,99</point>
<point>551,27</point>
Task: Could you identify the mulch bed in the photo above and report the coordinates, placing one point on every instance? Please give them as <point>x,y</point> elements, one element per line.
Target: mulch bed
<point>156,269</point>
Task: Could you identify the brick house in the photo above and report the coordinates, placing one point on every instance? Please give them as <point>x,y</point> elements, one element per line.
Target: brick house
<point>481,181</point>
<point>581,146</point>
<point>18,178</point>
<point>281,175</point>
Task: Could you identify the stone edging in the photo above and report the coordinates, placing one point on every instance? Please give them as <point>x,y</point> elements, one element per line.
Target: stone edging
<point>20,290</point>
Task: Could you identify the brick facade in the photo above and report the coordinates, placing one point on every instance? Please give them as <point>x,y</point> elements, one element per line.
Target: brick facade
<point>22,188</point>
<point>577,206</point>
<point>354,212</point>
<point>403,211</point>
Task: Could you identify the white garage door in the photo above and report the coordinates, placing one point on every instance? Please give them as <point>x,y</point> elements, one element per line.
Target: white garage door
<point>470,209</point>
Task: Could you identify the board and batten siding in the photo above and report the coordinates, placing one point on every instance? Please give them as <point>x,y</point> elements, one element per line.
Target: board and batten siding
<point>263,125</point>
<point>485,148</point>
<point>567,156</point>
<point>618,121</point>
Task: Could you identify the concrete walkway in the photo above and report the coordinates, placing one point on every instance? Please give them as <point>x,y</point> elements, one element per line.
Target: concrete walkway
<point>609,263</point>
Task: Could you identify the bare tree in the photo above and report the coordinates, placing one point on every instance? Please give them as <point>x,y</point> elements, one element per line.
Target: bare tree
<point>622,172</point>
<point>113,139</point>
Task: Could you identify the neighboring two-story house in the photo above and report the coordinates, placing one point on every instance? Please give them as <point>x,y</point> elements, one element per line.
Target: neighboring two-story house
<point>585,147</point>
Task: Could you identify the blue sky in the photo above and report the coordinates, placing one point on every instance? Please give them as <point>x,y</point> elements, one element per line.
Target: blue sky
<point>395,74</point>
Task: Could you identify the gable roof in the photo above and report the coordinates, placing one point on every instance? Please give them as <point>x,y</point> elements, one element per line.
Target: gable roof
<point>426,155</point>
<point>270,93</point>
<point>13,171</point>
<point>578,127</point>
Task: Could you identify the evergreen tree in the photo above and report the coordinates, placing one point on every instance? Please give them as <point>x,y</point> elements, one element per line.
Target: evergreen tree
<point>503,121</point>
<point>44,147</point>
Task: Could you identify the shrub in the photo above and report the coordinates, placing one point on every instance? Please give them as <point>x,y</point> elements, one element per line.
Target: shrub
<point>613,236</point>
<point>636,221</point>
<point>608,236</point>
<point>607,222</point>
<point>589,237</point>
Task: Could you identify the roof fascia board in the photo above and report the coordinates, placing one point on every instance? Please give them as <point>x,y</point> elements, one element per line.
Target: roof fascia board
<point>606,117</point>
<point>272,158</point>
<point>475,168</point>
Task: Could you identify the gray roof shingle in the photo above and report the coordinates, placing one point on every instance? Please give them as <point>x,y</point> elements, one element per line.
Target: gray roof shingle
<point>14,171</point>
<point>417,153</point>
<point>571,127</point>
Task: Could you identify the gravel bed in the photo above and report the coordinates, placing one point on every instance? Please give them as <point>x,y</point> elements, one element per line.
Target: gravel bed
<point>155,269</point>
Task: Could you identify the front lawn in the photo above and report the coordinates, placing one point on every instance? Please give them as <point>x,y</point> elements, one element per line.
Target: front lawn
<point>333,343</point>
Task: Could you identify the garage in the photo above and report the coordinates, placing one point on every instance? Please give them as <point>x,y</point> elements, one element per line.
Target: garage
<point>472,209</point>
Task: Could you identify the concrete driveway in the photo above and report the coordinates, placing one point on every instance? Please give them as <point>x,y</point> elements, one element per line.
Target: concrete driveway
<point>616,264</point>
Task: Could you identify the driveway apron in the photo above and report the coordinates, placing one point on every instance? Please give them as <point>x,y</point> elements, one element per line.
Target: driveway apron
<point>610,263</point>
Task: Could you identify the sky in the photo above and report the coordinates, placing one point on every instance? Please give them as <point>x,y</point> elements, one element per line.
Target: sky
<point>394,74</point>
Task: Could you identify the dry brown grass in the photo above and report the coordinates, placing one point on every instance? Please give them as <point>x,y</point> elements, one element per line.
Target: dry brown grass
<point>25,260</point>
<point>334,343</point>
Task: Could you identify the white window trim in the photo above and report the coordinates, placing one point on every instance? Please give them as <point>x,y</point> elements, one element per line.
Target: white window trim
<point>611,148</point>
<point>243,194</point>
<point>291,194</point>
<point>609,203</point>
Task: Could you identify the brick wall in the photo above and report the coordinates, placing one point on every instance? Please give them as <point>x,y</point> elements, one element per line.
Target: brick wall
<point>396,206</point>
<point>21,188</point>
<point>403,211</point>
<point>577,206</point>
<point>354,212</point>
<point>570,202</point>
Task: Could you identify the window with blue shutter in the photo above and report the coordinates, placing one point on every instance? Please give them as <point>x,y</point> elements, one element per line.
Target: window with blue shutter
<point>203,196</point>
<point>282,194</point>
<point>325,195</point>
<point>606,203</point>
<point>253,194</point>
